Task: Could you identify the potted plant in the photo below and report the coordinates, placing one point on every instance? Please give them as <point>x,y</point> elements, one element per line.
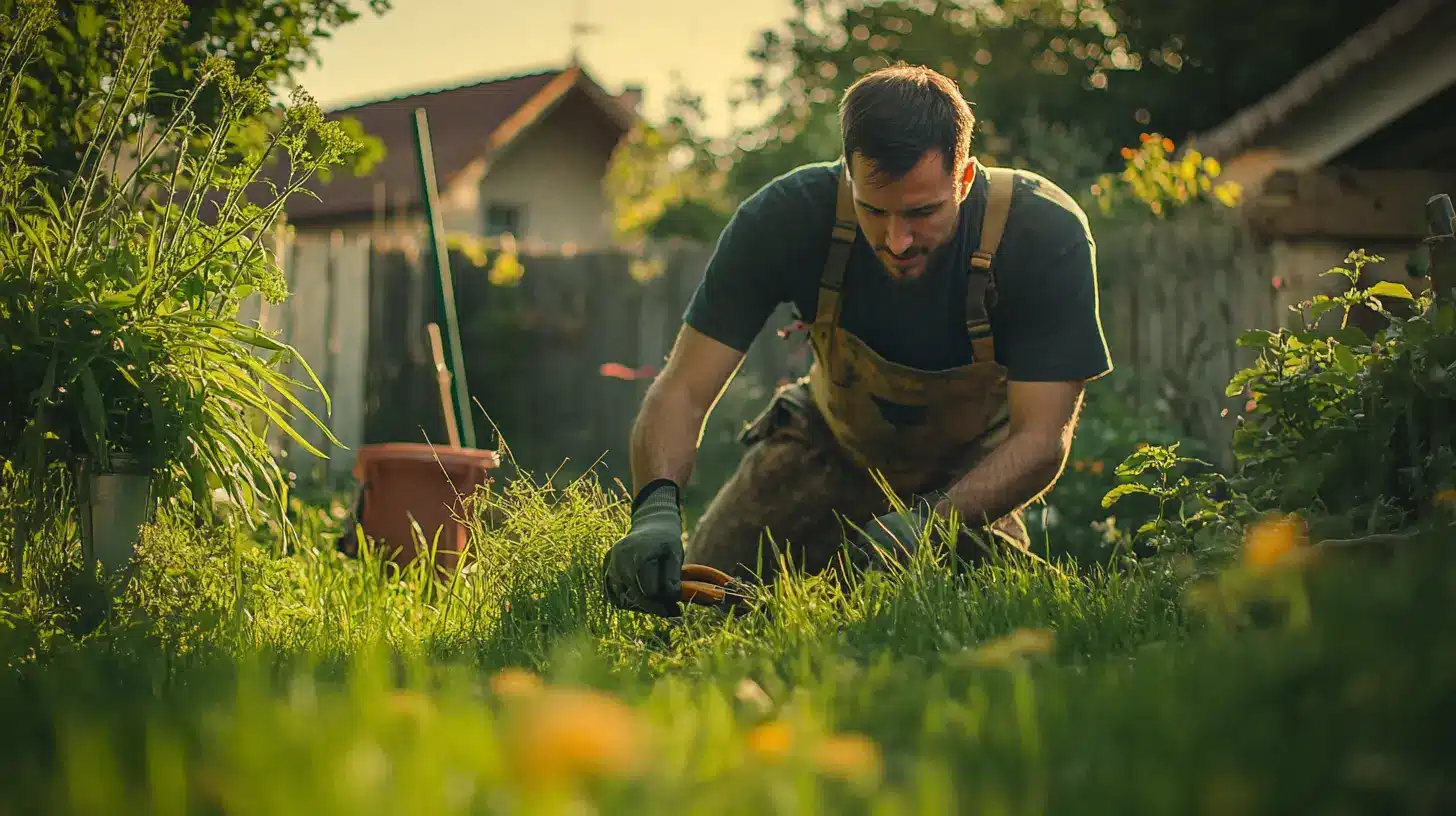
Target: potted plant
<point>127,368</point>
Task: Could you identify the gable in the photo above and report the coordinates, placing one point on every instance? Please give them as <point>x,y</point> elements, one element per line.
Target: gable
<point>466,124</point>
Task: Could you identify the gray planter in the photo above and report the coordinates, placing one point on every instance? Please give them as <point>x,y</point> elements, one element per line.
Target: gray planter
<point>113,505</point>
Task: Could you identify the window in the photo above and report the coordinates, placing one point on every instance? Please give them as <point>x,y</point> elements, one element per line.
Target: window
<point>503,218</point>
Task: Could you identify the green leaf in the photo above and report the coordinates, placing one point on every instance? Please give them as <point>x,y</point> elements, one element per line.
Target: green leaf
<point>1117,493</point>
<point>1391,289</point>
<point>1256,338</point>
<point>93,419</point>
<point>1320,307</point>
<point>1345,360</point>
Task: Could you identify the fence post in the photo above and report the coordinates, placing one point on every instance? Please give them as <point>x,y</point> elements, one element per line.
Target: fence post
<point>1441,221</point>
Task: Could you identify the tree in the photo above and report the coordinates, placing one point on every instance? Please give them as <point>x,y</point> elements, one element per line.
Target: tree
<point>268,40</point>
<point>667,180</point>
<point>1059,85</point>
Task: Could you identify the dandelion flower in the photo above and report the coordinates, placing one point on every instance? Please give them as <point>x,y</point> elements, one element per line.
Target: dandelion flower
<point>1022,642</point>
<point>515,682</point>
<point>1272,540</point>
<point>569,733</point>
<point>849,756</point>
<point>770,740</point>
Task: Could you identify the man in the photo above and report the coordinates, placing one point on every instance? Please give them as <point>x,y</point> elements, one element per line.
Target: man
<point>905,257</point>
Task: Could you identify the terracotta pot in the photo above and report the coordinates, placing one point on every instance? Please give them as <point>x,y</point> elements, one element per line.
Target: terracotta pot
<point>400,481</point>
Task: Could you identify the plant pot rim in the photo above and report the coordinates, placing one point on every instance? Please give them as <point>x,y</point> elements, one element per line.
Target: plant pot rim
<point>128,464</point>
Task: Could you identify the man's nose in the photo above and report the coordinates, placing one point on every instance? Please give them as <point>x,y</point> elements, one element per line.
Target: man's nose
<point>897,236</point>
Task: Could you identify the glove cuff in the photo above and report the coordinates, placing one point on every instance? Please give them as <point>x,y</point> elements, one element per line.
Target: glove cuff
<point>650,490</point>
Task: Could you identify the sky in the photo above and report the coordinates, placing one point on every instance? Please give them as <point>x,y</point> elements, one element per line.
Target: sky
<point>420,44</point>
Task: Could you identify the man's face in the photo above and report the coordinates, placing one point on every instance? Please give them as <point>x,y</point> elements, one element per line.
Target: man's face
<point>909,220</point>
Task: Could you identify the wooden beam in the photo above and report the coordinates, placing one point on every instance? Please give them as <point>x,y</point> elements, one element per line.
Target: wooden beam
<point>1346,204</point>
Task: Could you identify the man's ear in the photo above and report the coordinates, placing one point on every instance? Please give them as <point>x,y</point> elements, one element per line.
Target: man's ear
<point>968,178</point>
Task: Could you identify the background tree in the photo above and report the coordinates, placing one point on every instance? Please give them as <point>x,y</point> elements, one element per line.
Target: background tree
<point>269,40</point>
<point>1058,85</point>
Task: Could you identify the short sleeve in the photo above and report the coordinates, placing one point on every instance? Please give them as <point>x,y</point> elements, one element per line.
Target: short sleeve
<point>1050,326</point>
<point>742,282</point>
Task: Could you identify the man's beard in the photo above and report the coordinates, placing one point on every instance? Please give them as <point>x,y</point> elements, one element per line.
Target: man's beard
<point>927,257</point>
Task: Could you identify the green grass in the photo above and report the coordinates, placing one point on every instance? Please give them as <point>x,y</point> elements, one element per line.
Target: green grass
<point>227,681</point>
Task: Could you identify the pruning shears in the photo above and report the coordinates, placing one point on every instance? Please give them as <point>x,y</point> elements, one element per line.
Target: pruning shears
<point>706,586</point>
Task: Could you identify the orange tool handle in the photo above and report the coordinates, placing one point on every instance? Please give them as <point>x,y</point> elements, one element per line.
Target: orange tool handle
<point>701,592</point>
<point>706,574</point>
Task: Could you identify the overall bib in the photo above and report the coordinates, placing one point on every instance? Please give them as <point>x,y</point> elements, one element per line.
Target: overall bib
<point>808,466</point>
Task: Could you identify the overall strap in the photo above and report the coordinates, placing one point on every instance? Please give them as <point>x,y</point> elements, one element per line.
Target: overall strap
<point>841,240</point>
<point>981,281</point>
<point>831,280</point>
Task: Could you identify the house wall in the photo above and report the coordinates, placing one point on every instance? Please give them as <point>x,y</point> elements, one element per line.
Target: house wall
<point>554,173</point>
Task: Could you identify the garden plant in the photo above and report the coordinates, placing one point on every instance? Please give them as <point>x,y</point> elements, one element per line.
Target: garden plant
<point>1269,638</point>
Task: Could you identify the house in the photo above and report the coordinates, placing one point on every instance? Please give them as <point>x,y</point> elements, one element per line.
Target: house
<point>1345,154</point>
<point>523,154</point>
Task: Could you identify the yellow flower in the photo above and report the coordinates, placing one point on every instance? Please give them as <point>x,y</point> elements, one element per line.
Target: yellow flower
<point>1273,540</point>
<point>407,703</point>
<point>1228,194</point>
<point>506,271</point>
<point>849,756</point>
<point>770,740</point>
<point>1014,646</point>
<point>567,733</point>
<point>515,682</point>
<point>1447,496</point>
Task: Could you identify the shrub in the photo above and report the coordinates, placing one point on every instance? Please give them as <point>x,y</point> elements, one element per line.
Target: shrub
<point>119,300</point>
<point>1344,429</point>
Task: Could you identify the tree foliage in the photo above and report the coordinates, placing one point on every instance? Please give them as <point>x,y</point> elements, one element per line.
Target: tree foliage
<point>1058,85</point>
<point>267,41</point>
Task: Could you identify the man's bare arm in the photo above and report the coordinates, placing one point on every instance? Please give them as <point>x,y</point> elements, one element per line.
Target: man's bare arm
<point>1027,463</point>
<point>669,425</point>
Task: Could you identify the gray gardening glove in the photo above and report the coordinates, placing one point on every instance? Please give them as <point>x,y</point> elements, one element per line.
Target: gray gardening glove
<point>897,534</point>
<point>643,571</point>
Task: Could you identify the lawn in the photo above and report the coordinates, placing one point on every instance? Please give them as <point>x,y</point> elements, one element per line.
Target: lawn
<point>229,680</point>
<point>1186,651</point>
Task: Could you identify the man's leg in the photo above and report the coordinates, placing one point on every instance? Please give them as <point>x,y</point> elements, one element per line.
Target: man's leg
<point>791,494</point>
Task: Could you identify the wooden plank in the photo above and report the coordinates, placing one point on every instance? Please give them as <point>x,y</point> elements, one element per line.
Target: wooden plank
<point>348,349</point>
<point>1347,205</point>
<point>307,333</point>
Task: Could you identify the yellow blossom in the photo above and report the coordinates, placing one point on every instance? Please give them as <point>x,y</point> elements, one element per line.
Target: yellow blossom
<point>563,734</point>
<point>1273,540</point>
<point>770,740</point>
<point>1014,646</point>
<point>514,682</point>
<point>849,756</point>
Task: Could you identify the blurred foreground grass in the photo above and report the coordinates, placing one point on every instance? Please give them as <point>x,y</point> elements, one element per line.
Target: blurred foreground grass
<point>228,681</point>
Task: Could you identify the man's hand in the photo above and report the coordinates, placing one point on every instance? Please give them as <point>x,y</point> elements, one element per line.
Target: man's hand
<point>895,536</point>
<point>643,571</point>
<point>1027,462</point>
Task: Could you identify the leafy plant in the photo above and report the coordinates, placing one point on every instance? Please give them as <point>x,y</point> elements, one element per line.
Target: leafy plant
<point>1347,430</point>
<point>1163,181</point>
<point>119,300</point>
<point>267,40</point>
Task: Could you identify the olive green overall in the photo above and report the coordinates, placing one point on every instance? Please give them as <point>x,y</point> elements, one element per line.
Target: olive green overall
<point>807,469</point>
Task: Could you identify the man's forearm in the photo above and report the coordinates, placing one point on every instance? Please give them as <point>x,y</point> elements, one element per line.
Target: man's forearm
<point>665,437</point>
<point>1015,472</point>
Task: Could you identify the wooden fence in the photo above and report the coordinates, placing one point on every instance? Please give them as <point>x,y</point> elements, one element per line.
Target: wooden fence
<point>1174,297</point>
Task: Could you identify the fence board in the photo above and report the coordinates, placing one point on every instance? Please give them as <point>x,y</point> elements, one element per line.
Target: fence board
<point>1174,296</point>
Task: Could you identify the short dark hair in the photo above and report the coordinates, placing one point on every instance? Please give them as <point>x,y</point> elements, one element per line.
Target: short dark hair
<point>894,115</point>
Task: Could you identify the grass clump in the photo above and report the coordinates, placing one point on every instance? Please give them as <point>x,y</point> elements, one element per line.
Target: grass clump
<point>228,679</point>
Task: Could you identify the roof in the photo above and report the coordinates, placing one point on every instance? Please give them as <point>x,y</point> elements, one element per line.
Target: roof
<point>1240,131</point>
<point>466,122</point>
